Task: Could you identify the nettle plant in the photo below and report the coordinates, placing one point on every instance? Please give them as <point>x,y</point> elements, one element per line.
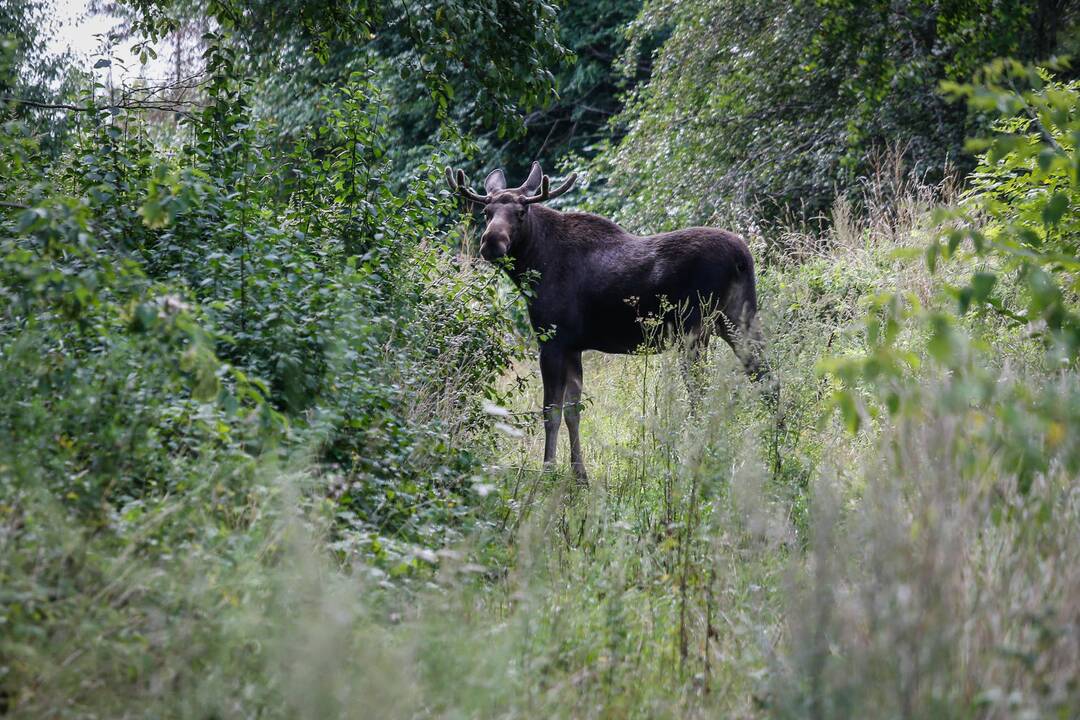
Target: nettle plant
<point>1018,230</point>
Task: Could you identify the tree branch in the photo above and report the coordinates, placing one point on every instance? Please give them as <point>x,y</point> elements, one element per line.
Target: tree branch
<point>160,105</point>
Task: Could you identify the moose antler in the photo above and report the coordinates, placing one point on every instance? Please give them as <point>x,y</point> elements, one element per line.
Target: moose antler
<point>458,185</point>
<point>546,193</point>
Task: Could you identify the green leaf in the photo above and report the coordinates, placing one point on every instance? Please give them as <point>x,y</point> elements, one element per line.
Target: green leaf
<point>943,344</point>
<point>154,214</point>
<point>28,218</point>
<point>982,284</point>
<point>978,240</point>
<point>932,253</point>
<point>955,236</point>
<point>849,411</point>
<point>892,402</point>
<point>963,295</point>
<point>145,316</point>
<point>1055,208</point>
<point>1046,158</point>
<point>1044,290</point>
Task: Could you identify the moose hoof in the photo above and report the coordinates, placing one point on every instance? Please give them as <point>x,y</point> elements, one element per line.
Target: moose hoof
<point>580,475</point>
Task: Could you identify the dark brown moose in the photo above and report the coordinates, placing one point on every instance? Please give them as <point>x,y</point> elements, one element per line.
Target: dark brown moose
<point>590,285</point>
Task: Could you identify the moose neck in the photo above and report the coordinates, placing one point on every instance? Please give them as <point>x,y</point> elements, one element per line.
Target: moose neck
<point>534,251</point>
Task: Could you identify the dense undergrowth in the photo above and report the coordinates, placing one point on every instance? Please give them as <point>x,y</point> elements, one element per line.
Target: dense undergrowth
<point>269,442</point>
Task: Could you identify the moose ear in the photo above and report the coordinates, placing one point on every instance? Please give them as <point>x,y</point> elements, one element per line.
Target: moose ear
<point>495,182</point>
<point>536,175</point>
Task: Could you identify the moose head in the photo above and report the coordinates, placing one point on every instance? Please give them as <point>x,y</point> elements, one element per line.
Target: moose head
<point>506,209</point>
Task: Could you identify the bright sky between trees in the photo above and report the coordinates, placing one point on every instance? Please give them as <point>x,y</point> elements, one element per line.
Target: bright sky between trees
<point>75,28</point>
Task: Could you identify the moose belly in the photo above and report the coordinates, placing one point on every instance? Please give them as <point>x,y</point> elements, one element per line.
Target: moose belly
<point>638,325</point>
<point>622,338</point>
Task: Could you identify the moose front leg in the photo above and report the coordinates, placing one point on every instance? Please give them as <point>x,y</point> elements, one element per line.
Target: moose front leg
<point>553,373</point>
<point>572,403</point>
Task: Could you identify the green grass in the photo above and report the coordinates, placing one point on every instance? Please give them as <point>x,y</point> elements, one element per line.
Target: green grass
<point>713,567</point>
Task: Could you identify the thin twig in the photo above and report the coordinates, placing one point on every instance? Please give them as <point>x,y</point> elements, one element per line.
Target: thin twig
<point>161,106</point>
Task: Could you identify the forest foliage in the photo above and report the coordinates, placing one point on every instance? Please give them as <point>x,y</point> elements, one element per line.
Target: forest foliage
<point>779,106</point>
<point>254,376</point>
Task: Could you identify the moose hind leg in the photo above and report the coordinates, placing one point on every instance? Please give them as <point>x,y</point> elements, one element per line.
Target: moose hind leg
<point>572,408</point>
<point>553,373</point>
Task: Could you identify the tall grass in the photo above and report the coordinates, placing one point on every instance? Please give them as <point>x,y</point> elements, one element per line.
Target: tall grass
<point>724,562</point>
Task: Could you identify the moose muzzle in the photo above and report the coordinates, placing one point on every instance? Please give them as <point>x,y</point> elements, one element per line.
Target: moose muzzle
<point>494,244</point>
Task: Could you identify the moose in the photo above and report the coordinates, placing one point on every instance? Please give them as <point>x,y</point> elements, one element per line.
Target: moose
<point>591,284</point>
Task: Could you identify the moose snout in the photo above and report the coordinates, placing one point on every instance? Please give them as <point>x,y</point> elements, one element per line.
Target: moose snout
<point>493,244</point>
